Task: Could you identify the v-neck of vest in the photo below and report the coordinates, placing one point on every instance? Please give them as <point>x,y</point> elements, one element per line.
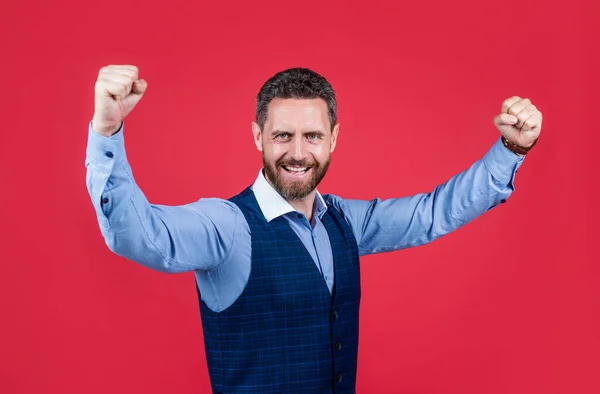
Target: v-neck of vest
<point>280,223</point>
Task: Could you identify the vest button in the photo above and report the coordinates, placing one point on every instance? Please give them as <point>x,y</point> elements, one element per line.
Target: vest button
<point>338,345</point>
<point>335,314</point>
<point>339,377</point>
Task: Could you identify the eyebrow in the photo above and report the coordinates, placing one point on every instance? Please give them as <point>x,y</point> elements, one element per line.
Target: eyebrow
<point>319,132</point>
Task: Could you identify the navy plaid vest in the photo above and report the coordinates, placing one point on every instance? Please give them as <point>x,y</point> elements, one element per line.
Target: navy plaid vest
<point>286,333</point>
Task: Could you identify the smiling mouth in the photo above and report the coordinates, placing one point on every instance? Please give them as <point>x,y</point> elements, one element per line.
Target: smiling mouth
<point>296,170</point>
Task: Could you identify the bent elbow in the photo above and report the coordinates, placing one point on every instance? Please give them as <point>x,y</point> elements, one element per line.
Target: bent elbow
<point>143,254</point>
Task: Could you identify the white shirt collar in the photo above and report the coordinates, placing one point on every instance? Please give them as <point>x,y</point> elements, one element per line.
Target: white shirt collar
<point>273,205</point>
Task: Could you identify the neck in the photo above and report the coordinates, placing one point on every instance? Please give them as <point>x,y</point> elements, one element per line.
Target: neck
<point>303,205</point>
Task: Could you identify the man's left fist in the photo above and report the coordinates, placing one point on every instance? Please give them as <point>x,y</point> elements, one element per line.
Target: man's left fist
<point>520,121</point>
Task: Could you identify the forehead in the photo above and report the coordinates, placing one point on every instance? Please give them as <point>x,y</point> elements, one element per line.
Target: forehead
<point>297,113</point>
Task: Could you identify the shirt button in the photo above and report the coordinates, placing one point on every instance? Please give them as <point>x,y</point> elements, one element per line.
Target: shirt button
<point>338,346</point>
<point>339,377</point>
<point>105,200</point>
<point>109,154</point>
<point>335,315</point>
<point>503,201</point>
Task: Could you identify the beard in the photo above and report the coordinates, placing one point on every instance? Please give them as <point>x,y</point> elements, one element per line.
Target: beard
<point>295,189</point>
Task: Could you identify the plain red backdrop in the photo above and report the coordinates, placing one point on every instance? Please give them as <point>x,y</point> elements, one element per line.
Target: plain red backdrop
<point>508,304</point>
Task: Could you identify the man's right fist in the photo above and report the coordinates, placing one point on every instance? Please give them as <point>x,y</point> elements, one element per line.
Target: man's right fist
<point>117,91</point>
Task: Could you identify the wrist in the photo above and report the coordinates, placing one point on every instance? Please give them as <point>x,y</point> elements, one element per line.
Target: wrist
<point>517,149</point>
<point>106,131</point>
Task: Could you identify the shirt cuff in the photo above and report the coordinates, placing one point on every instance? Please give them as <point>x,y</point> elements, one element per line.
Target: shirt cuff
<point>502,163</point>
<point>103,152</point>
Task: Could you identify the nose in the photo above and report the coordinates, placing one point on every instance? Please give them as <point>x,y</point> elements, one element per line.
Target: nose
<point>298,148</point>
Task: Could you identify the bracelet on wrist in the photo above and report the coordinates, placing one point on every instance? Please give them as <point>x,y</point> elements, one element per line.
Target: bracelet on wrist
<point>517,148</point>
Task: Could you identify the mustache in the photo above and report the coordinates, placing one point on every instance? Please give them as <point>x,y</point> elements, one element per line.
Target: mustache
<point>298,163</point>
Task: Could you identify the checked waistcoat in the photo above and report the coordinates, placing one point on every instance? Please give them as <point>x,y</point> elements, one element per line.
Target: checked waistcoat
<point>286,333</point>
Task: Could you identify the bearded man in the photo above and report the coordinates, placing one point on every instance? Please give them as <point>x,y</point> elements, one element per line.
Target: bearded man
<point>277,266</point>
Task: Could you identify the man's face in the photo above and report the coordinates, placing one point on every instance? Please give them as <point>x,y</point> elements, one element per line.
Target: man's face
<point>296,143</point>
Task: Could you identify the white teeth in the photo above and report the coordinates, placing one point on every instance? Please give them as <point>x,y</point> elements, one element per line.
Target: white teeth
<point>295,169</point>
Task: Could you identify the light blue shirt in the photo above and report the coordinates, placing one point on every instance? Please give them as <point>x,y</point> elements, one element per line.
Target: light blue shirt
<point>211,236</point>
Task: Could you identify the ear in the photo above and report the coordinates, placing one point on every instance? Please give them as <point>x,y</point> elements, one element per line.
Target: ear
<point>334,134</point>
<point>257,136</point>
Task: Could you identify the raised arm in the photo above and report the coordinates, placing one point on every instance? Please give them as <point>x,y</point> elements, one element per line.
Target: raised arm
<point>195,236</point>
<point>397,223</point>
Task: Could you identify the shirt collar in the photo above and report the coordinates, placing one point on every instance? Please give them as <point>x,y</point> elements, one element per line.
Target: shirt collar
<point>273,205</point>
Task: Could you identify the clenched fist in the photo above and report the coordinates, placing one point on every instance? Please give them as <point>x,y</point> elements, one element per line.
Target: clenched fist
<point>117,92</point>
<point>520,121</point>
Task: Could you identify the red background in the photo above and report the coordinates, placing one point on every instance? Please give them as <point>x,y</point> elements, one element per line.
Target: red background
<point>508,304</point>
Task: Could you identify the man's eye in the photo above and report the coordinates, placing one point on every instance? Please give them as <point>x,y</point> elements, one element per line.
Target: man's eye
<point>313,137</point>
<point>282,136</point>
